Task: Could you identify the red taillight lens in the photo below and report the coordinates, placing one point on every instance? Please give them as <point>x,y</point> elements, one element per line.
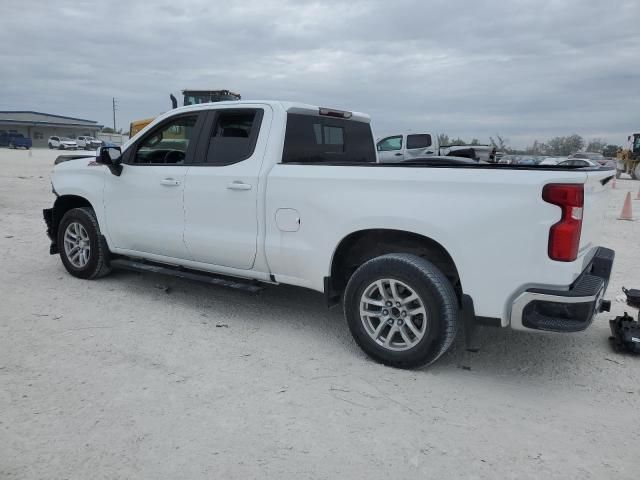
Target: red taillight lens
<point>564,236</point>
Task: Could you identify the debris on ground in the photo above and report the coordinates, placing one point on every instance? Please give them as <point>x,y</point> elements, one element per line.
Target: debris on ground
<point>164,288</point>
<point>625,333</point>
<point>633,297</point>
<point>222,325</point>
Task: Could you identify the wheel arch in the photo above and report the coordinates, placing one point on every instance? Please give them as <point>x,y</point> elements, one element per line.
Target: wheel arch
<point>62,205</point>
<point>363,245</point>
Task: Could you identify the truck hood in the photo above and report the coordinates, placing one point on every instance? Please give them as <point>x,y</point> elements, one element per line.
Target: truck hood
<point>77,156</point>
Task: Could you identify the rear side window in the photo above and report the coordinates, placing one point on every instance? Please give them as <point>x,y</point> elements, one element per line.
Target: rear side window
<point>418,141</point>
<point>233,136</point>
<point>316,139</point>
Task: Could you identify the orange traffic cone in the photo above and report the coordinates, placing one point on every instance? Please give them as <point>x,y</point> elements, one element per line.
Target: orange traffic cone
<point>626,213</point>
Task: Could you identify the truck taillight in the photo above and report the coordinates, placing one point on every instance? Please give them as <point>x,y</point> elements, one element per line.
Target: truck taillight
<point>564,236</point>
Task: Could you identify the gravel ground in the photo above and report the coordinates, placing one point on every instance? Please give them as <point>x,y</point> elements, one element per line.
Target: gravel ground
<point>117,378</point>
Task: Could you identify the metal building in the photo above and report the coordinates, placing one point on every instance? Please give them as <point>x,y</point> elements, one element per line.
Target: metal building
<point>40,126</point>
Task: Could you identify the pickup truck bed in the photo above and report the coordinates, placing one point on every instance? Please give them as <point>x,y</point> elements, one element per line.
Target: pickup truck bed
<point>290,193</point>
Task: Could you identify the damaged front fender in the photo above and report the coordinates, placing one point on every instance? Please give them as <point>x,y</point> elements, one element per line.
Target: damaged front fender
<point>47,213</point>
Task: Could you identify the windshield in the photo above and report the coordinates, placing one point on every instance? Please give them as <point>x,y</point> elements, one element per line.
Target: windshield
<point>636,142</point>
<point>66,139</point>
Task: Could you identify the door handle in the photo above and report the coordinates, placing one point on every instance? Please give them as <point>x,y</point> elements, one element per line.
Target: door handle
<point>398,154</point>
<point>237,185</point>
<point>429,152</point>
<point>170,182</point>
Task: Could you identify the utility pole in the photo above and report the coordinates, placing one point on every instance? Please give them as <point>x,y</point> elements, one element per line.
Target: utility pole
<point>114,114</point>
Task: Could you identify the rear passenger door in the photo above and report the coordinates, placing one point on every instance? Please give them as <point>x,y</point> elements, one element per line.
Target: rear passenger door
<point>221,187</point>
<point>418,146</point>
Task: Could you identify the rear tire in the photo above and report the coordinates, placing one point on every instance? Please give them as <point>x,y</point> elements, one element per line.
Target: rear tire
<point>83,252</point>
<point>401,310</point>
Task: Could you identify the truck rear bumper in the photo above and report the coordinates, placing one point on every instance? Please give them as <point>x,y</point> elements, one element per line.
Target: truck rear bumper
<point>570,310</point>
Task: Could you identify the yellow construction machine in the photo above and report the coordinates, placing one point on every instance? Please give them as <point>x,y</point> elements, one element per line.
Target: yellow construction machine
<point>190,97</point>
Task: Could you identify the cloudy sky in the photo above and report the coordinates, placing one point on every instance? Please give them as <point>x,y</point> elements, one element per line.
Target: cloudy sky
<point>524,69</point>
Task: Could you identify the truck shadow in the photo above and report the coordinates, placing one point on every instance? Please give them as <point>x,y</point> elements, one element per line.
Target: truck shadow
<point>503,352</point>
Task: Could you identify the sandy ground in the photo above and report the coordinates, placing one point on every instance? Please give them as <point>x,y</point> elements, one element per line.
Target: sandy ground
<point>117,379</point>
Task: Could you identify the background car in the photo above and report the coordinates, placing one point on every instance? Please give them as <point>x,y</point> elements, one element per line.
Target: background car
<point>553,160</point>
<point>579,162</point>
<point>88,143</point>
<point>62,143</point>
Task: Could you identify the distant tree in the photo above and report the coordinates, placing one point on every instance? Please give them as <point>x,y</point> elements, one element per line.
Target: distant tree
<point>475,141</point>
<point>500,143</point>
<point>562,146</point>
<point>538,148</point>
<point>107,130</point>
<point>611,150</point>
<point>443,139</point>
<point>457,141</point>
<point>596,145</point>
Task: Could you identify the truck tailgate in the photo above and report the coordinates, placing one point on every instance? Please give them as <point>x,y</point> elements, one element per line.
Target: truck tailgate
<point>596,193</point>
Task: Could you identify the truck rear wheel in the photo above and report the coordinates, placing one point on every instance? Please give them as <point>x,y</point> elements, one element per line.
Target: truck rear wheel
<point>82,251</point>
<point>401,310</point>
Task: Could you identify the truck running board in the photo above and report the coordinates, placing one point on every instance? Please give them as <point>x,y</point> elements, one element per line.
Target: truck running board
<point>186,274</point>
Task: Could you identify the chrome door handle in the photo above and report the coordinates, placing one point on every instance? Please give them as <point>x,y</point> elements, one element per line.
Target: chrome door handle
<point>237,185</point>
<point>170,182</point>
<point>398,154</point>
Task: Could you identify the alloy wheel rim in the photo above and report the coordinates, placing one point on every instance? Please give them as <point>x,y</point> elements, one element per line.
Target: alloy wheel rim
<point>77,246</point>
<point>393,314</point>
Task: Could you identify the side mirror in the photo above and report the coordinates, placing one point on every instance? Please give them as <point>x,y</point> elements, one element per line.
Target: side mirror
<point>110,155</point>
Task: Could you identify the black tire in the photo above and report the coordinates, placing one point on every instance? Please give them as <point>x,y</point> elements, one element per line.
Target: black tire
<point>435,292</point>
<point>50,146</point>
<point>97,265</point>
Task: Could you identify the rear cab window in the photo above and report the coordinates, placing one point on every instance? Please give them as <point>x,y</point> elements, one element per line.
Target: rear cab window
<point>326,140</point>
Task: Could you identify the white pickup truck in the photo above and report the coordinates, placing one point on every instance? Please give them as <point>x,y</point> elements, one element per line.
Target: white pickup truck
<point>404,147</point>
<point>277,192</point>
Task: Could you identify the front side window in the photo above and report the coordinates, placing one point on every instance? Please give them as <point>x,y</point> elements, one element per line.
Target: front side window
<point>422,140</point>
<point>317,139</point>
<point>233,136</point>
<point>390,144</point>
<point>168,144</point>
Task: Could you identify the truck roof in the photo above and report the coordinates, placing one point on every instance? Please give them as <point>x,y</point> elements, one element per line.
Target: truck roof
<point>289,107</point>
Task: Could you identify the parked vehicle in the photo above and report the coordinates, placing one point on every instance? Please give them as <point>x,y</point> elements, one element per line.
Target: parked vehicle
<point>62,143</point>
<point>552,160</point>
<point>88,143</point>
<point>579,162</point>
<point>629,158</point>
<point>14,140</point>
<point>279,192</point>
<point>405,146</point>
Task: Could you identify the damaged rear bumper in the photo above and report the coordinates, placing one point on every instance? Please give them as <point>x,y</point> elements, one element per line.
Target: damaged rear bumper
<point>570,310</point>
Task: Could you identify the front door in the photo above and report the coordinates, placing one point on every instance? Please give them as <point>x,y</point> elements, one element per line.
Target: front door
<point>144,205</point>
<point>221,192</point>
<point>390,149</point>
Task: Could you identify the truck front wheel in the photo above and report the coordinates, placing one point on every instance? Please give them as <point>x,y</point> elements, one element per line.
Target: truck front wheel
<point>401,310</point>
<point>82,251</point>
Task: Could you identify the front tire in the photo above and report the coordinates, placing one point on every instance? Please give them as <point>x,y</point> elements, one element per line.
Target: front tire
<point>82,251</point>
<point>401,310</point>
